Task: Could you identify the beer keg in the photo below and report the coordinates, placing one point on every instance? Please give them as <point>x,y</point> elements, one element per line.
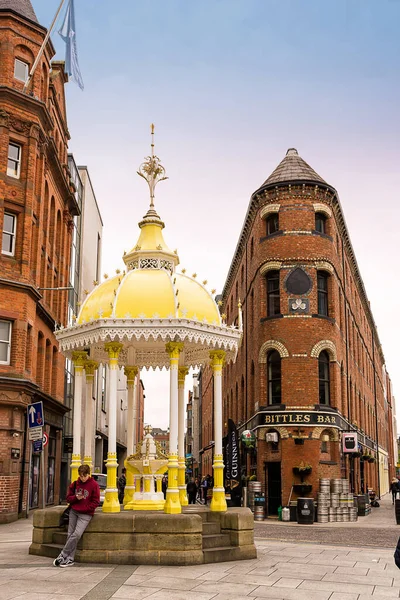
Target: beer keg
<point>353,515</point>
<point>331,515</point>
<point>322,514</point>
<point>336,486</point>
<point>259,513</point>
<point>334,500</point>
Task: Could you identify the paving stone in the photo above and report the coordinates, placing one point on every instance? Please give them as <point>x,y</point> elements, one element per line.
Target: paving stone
<point>240,589</point>
<point>170,583</point>
<point>289,594</point>
<point>337,587</point>
<point>286,582</point>
<point>129,591</point>
<point>365,580</point>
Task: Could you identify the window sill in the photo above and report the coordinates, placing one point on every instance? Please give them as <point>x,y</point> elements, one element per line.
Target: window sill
<point>280,316</point>
<point>323,235</point>
<point>327,462</point>
<point>271,235</point>
<point>330,319</point>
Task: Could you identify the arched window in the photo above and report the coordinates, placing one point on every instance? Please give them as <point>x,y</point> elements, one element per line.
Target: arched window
<point>320,222</point>
<point>323,376</point>
<point>273,294</point>
<point>272,223</point>
<point>322,287</point>
<point>274,377</point>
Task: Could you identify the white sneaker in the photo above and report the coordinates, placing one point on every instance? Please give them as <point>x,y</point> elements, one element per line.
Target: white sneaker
<point>57,561</point>
<point>67,563</point>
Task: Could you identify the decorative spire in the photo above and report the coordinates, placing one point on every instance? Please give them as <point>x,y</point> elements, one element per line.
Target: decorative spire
<point>152,171</point>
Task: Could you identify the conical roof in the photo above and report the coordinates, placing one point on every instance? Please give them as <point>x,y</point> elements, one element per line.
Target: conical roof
<point>22,7</point>
<point>293,168</point>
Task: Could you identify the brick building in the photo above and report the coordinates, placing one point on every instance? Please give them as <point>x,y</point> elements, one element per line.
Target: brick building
<point>37,204</point>
<point>311,365</point>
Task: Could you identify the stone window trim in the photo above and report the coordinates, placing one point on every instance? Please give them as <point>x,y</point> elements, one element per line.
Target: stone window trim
<point>326,345</point>
<point>270,208</point>
<point>270,266</point>
<point>9,233</point>
<point>322,208</point>
<point>323,265</point>
<point>272,345</point>
<point>14,159</point>
<point>5,341</point>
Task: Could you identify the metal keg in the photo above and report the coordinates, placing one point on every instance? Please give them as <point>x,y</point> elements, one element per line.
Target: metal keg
<point>339,515</point>
<point>336,486</point>
<point>322,514</point>
<point>353,515</point>
<point>259,513</point>
<point>325,486</point>
<point>324,499</point>
<point>331,515</point>
<point>334,500</point>
<point>345,486</point>
<point>350,500</point>
<point>254,486</point>
<point>346,514</point>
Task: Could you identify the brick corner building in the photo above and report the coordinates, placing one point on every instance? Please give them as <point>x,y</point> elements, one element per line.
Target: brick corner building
<point>37,205</point>
<point>311,366</point>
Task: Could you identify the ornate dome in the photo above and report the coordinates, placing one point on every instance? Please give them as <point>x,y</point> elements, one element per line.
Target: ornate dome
<point>151,289</point>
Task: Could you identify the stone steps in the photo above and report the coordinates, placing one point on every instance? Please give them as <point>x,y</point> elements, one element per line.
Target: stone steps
<point>60,537</point>
<point>210,528</point>
<point>220,540</point>
<point>214,555</point>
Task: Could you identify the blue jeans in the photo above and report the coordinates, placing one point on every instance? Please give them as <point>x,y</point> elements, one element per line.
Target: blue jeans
<point>76,528</point>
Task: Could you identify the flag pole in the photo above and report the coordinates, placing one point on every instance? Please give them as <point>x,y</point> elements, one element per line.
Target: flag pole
<point>35,64</point>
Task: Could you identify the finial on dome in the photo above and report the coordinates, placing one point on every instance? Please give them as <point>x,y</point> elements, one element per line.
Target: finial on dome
<point>152,171</point>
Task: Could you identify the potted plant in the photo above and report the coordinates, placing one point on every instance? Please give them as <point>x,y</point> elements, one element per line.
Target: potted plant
<point>302,469</point>
<point>371,459</point>
<point>356,454</point>
<point>302,489</point>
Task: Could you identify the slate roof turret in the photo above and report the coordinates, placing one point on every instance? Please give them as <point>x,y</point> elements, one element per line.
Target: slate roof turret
<point>293,169</point>
<point>22,7</point>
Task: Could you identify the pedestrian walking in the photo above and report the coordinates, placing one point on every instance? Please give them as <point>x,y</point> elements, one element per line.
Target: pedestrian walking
<point>191,489</point>
<point>204,485</point>
<point>84,497</point>
<point>121,486</point>
<point>164,486</point>
<point>394,488</point>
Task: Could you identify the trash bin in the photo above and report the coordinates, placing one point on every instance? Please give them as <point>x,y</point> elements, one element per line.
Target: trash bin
<point>305,511</point>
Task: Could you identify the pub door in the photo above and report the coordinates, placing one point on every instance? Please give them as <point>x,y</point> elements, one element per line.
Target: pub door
<point>274,487</point>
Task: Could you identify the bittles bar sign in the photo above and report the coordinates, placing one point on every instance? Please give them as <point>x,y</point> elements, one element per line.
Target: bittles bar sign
<point>307,418</point>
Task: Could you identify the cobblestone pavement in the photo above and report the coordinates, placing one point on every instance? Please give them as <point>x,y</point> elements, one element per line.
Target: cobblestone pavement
<point>283,570</point>
<point>378,529</point>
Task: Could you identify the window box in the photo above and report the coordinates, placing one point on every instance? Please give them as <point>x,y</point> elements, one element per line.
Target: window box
<point>302,489</point>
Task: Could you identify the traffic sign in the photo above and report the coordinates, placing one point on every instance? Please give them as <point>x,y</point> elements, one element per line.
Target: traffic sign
<point>37,446</point>
<point>35,434</point>
<point>45,439</point>
<point>35,415</point>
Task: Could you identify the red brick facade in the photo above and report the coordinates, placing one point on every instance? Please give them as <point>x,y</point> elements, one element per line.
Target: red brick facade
<point>37,203</point>
<point>296,222</point>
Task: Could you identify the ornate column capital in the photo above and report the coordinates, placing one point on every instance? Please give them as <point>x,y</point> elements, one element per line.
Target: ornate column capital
<point>78,358</point>
<point>182,372</point>
<point>217,359</point>
<point>90,367</point>
<point>113,349</point>
<point>174,349</point>
<point>130,373</point>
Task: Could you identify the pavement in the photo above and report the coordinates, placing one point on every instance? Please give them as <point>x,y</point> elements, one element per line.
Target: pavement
<point>284,570</point>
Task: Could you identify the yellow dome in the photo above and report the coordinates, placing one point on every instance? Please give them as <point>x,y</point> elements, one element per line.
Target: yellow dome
<point>150,293</point>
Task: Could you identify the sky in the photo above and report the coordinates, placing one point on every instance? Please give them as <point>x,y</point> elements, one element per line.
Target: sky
<point>230,86</point>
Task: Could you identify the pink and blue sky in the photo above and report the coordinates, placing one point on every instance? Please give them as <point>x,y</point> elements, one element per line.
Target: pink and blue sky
<point>230,85</point>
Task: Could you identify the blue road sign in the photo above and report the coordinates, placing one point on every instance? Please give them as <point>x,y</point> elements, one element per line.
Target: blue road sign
<point>38,446</point>
<point>35,415</point>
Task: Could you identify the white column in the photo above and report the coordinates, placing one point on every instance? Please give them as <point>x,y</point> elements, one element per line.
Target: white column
<point>90,367</point>
<point>131,376</point>
<point>182,372</point>
<point>78,358</point>
<point>218,502</point>
<point>172,503</point>
<point>111,503</point>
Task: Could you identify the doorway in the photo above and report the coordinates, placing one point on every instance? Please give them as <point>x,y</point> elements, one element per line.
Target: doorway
<point>274,487</point>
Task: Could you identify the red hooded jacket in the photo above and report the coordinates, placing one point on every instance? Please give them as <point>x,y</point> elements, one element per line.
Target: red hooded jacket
<point>91,496</point>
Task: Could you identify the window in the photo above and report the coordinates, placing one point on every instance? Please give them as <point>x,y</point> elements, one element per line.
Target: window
<point>9,229</point>
<point>14,160</point>
<point>21,70</point>
<point>323,375</point>
<point>274,377</point>
<point>320,222</point>
<point>322,286</point>
<point>272,223</point>
<point>5,342</point>
<point>273,294</point>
